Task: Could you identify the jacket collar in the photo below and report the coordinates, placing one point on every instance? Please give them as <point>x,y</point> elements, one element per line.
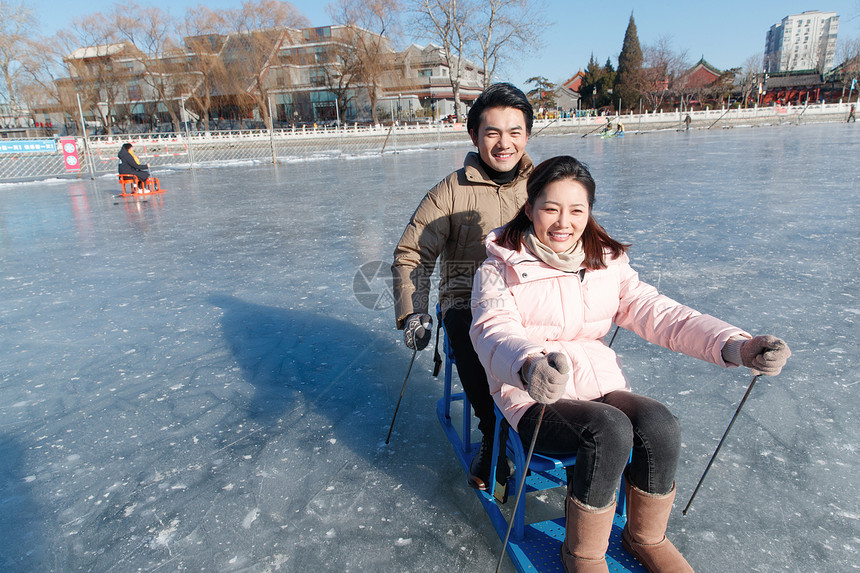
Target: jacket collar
<point>527,267</point>
<point>522,262</point>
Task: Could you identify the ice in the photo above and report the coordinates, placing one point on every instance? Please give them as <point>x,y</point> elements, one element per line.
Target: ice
<point>190,382</point>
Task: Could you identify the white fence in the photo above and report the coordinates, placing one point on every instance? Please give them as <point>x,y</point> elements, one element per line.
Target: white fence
<point>706,119</point>
<point>192,150</point>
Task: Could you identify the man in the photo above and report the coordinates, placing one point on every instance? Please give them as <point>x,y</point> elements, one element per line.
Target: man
<point>452,221</point>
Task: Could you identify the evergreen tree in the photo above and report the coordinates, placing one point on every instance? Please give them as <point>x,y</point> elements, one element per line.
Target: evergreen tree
<point>606,86</point>
<point>629,78</point>
<point>597,83</point>
<point>542,97</point>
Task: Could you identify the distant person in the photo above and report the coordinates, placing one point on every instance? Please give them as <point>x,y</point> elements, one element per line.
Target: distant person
<point>687,121</point>
<point>851,116</point>
<point>129,164</point>
<point>619,128</point>
<point>450,224</point>
<point>553,284</point>
<point>608,127</point>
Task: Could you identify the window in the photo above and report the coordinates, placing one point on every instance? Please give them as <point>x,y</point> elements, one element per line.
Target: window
<point>314,34</point>
<point>134,91</point>
<point>317,77</point>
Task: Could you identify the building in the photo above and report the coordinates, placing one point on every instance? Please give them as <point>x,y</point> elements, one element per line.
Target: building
<point>326,74</point>
<point>804,41</point>
<point>567,94</point>
<point>119,87</point>
<point>241,80</point>
<point>796,88</point>
<point>424,72</point>
<point>701,75</point>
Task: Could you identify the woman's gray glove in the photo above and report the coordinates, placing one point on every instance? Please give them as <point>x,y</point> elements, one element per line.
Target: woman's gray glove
<point>418,331</point>
<point>545,376</point>
<point>765,354</point>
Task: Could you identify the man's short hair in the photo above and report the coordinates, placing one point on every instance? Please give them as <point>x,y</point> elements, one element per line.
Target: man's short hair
<point>500,95</point>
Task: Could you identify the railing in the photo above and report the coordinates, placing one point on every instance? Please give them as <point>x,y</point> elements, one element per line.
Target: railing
<point>198,149</point>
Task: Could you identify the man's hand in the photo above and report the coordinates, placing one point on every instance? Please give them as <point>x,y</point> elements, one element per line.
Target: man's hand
<point>418,331</point>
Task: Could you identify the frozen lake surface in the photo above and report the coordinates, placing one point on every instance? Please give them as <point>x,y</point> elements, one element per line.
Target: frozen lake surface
<point>190,383</point>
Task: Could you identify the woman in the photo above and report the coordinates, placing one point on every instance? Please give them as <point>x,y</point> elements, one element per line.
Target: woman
<point>552,285</point>
<point>129,164</point>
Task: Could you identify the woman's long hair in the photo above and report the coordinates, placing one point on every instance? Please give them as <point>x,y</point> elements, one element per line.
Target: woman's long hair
<point>595,240</point>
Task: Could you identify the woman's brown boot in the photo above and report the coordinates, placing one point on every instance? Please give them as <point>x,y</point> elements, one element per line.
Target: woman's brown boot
<point>586,536</point>
<point>644,536</point>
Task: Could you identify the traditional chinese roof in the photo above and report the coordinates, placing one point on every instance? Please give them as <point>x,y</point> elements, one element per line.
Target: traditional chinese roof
<point>574,83</point>
<point>702,63</point>
<point>702,74</point>
<point>793,80</point>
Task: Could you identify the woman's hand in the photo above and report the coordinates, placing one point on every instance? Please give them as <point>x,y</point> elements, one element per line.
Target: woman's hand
<point>765,354</point>
<point>545,376</point>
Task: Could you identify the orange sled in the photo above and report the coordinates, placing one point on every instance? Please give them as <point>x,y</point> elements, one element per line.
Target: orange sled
<point>130,186</point>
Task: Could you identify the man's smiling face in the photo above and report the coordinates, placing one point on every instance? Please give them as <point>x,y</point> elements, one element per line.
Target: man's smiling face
<point>501,138</point>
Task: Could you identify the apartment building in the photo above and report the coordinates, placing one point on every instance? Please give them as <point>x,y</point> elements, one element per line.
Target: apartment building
<point>804,41</point>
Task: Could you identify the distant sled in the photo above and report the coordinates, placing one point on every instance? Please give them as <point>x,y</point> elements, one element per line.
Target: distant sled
<point>152,186</point>
<point>532,547</point>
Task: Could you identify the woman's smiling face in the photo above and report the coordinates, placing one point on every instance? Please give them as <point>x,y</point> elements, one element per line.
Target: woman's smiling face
<point>560,214</point>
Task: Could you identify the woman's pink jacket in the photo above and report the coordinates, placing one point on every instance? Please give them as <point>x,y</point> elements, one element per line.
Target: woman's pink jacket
<point>522,306</point>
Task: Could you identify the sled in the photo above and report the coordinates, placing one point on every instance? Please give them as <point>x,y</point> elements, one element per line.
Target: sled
<point>532,547</point>
<point>129,186</point>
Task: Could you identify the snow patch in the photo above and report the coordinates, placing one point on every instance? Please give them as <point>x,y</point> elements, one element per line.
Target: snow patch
<point>165,536</point>
<point>250,518</point>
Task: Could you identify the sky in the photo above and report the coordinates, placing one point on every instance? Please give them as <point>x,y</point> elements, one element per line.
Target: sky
<point>726,33</point>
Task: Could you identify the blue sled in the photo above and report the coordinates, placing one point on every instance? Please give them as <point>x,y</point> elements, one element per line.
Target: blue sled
<point>532,547</point>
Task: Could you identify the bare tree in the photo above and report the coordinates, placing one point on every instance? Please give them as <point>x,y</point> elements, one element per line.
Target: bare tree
<point>16,23</point>
<point>258,30</point>
<point>749,76</point>
<point>94,76</point>
<point>42,71</point>
<point>342,67</point>
<point>152,31</point>
<point>370,24</point>
<point>661,66</point>
<point>503,29</point>
<point>721,90</point>
<point>447,22</point>
<point>848,55</point>
<point>205,33</point>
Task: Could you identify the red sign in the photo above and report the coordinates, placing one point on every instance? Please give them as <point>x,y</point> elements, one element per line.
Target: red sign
<point>70,154</point>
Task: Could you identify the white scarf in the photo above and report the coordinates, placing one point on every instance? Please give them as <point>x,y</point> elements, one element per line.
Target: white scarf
<point>567,261</point>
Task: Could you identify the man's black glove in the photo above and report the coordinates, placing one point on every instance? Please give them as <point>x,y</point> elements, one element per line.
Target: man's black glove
<point>418,331</point>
